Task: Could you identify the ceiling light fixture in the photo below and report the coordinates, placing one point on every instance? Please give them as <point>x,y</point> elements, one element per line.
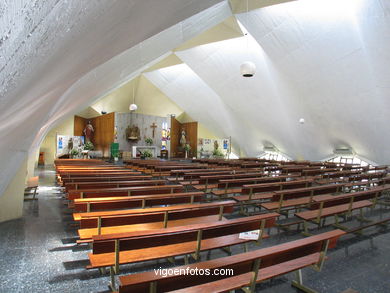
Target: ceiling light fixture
<point>133,107</point>
<point>248,68</point>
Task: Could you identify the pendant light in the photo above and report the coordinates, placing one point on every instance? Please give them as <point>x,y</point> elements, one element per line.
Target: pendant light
<point>247,68</point>
<point>133,107</point>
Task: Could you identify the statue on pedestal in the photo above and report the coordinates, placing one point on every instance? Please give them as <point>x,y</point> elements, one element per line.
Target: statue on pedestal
<point>183,139</point>
<point>88,132</point>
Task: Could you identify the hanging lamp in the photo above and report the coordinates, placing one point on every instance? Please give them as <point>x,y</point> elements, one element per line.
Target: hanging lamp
<point>133,107</point>
<point>247,68</point>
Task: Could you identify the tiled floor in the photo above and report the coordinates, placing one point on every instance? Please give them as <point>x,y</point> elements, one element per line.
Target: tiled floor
<point>38,254</point>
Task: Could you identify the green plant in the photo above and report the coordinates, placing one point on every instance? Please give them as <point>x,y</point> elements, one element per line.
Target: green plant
<point>74,152</point>
<point>148,141</point>
<point>146,154</point>
<point>217,153</point>
<point>89,146</point>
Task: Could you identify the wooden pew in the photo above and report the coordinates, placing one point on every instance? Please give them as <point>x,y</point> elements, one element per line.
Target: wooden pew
<point>179,173</point>
<point>251,189</point>
<point>341,204</point>
<point>78,161</point>
<point>116,249</point>
<point>299,197</point>
<point>319,171</point>
<point>209,181</point>
<point>110,184</point>
<point>140,201</point>
<point>124,191</point>
<point>106,178</point>
<point>265,191</point>
<point>142,220</point>
<point>248,268</point>
<point>90,219</point>
<point>340,174</point>
<point>226,186</point>
<point>96,174</point>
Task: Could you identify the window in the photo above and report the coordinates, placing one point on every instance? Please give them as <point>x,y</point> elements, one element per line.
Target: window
<point>276,156</point>
<point>348,160</point>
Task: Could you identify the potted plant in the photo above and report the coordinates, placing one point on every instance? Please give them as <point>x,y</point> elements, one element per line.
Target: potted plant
<point>148,141</point>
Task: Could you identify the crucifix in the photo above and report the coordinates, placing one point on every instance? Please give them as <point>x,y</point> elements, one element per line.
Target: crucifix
<point>154,127</point>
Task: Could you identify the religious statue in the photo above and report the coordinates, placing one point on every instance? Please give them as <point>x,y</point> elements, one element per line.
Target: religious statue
<point>88,132</point>
<point>183,139</point>
<point>70,145</point>
<point>133,133</point>
<point>216,145</point>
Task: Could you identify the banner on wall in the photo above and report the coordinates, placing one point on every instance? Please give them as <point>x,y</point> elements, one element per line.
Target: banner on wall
<point>65,143</point>
<point>225,144</point>
<point>207,145</point>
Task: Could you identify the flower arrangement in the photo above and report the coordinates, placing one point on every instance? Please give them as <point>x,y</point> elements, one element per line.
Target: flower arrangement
<point>148,141</point>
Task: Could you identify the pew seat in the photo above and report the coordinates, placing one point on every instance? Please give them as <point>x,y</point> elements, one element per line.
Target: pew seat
<point>222,192</point>
<point>140,201</point>
<point>331,211</point>
<point>296,202</point>
<point>204,186</point>
<point>248,268</point>
<point>167,251</point>
<point>240,281</point>
<point>116,249</point>
<point>254,197</point>
<point>87,234</point>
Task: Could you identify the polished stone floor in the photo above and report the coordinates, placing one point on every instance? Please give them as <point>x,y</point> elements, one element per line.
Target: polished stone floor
<point>38,254</point>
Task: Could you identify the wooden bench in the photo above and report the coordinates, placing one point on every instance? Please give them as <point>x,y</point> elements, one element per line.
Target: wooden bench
<point>90,219</point>
<point>316,215</point>
<point>98,174</point>
<point>317,171</point>
<point>296,198</point>
<point>206,182</point>
<point>178,174</point>
<point>124,191</point>
<point>116,249</point>
<point>111,184</point>
<point>341,204</point>
<point>226,186</point>
<point>252,189</point>
<point>140,201</point>
<point>265,191</point>
<point>340,174</point>
<point>105,178</point>
<point>247,269</point>
<point>155,220</point>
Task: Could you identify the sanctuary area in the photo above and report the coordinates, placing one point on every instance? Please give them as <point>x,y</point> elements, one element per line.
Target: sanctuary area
<point>195,146</point>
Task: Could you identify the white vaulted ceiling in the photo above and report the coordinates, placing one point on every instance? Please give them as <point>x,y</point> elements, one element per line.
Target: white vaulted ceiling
<point>327,61</point>
<point>324,61</point>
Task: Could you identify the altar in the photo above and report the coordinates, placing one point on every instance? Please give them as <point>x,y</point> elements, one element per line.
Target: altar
<point>137,148</point>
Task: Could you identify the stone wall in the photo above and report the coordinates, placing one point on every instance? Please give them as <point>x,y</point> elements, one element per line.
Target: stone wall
<point>124,120</point>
